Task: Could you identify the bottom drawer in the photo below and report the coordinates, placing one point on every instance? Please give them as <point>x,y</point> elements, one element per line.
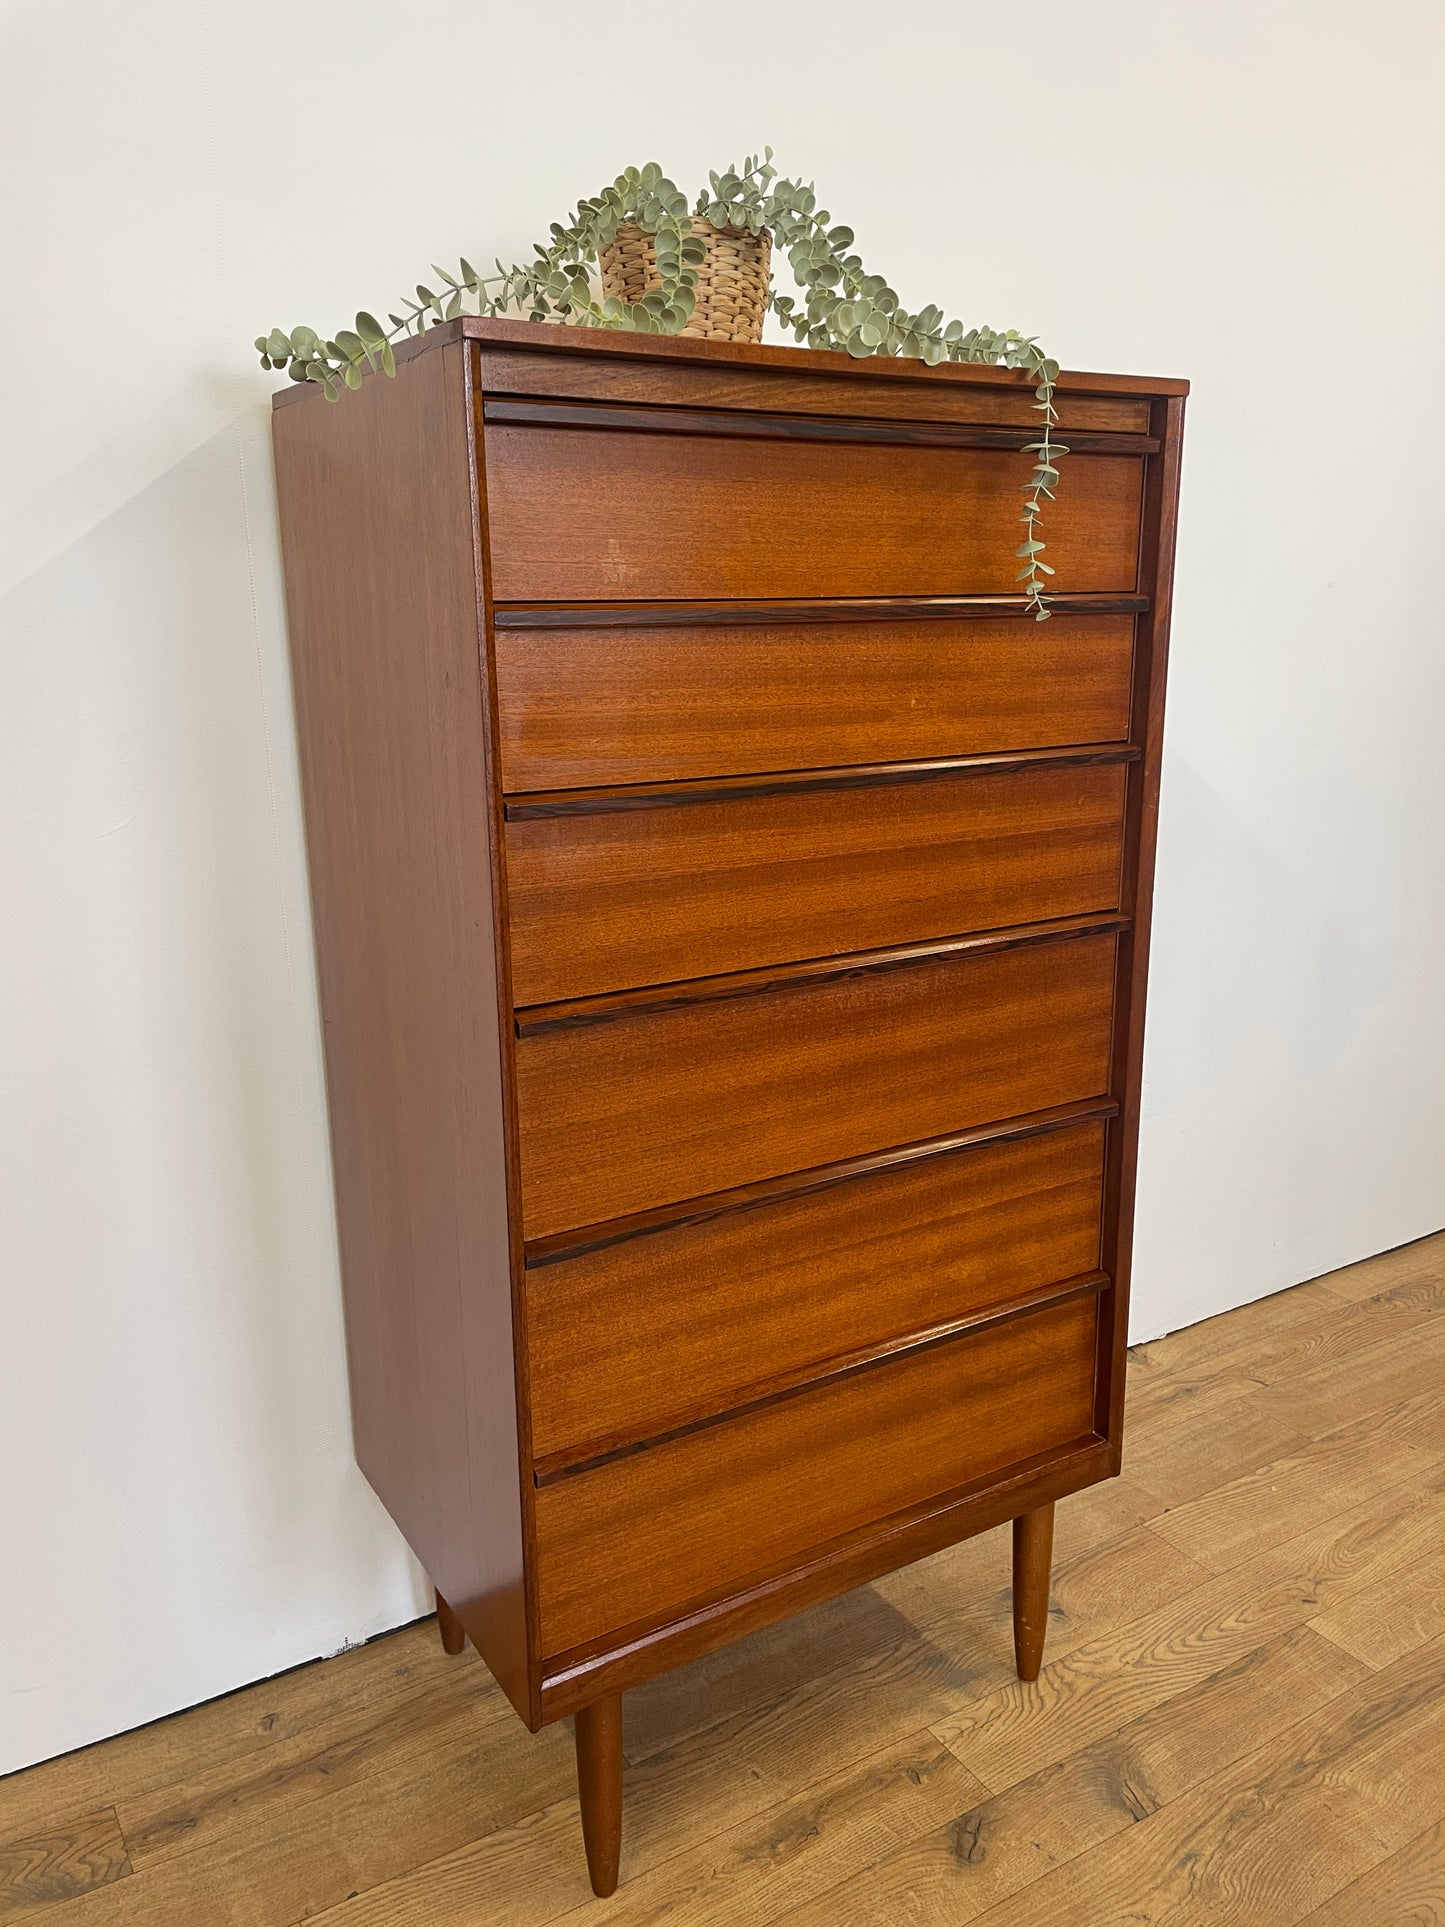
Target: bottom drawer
<point>647,1536</point>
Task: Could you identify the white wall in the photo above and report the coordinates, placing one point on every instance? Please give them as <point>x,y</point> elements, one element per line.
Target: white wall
<point>1245,193</point>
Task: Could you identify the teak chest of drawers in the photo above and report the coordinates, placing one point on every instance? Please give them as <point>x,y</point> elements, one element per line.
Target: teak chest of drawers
<point>732,917</point>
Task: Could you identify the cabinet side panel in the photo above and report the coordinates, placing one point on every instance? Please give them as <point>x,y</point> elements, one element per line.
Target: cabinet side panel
<point>1159,527</point>
<point>377,520</point>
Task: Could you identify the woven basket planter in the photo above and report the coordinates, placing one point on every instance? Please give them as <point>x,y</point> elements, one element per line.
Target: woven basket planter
<point>732,282</point>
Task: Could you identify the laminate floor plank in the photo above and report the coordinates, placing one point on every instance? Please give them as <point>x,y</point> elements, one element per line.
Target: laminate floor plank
<point>1005,1735</point>
<point>752,1873</point>
<point>220,1733</point>
<point>1381,1623</point>
<point>1221,1346</point>
<point>1241,1716</point>
<point>283,1867</point>
<point>1405,1889</point>
<point>1189,1439</point>
<point>251,1792</point>
<point>42,1870</point>
<point>982,1855</point>
<point>1328,1332</point>
<point>1279,1831</point>
<point>1325,1476</point>
<point>979,1568</point>
<point>1425,1257</point>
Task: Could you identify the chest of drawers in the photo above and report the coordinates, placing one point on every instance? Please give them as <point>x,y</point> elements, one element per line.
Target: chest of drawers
<point>731,915</point>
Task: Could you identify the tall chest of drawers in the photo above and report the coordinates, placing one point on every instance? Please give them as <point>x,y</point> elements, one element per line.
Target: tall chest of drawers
<point>731,913</point>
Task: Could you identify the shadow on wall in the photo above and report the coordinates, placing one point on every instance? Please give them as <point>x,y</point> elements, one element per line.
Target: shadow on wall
<point>178,1415</point>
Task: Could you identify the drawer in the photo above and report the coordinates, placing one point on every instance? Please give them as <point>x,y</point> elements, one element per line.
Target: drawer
<point>609,889</point>
<point>581,514</point>
<point>652,1534</point>
<point>631,1104</point>
<point>651,704</point>
<point>652,1332</point>
<point>890,390</point>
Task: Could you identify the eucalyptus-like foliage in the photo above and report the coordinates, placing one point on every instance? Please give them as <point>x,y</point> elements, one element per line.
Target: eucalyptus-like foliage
<point>839,304</point>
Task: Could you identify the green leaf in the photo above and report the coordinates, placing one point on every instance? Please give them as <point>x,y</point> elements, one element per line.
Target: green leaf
<point>369,328</point>
<point>388,359</point>
<point>278,347</point>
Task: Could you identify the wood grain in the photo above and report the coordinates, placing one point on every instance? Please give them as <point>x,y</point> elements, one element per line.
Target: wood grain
<point>578,514</point>
<point>617,1117</point>
<point>567,1020</point>
<point>793,1776</point>
<point>1033,1551</point>
<point>379,536</point>
<point>651,704</point>
<point>1317,1803</point>
<point>764,426</point>
<point>71,1858</point>
<point>518,371</point>
<point>982,1856</point>
<point>694,886</point>
<point>634,1338</point>
<point>1407,1886</point>
<point>658,1533</point>
<point>598,1733</point>
<point>572,1679</point>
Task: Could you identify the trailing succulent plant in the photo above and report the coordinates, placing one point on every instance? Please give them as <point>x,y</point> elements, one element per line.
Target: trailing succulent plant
<point>839,305</point>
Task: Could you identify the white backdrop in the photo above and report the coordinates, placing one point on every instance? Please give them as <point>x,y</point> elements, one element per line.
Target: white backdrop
<point>1244,192</point>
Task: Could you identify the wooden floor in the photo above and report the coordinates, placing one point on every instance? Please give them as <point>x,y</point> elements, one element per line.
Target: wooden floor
<point>1241,1717</point>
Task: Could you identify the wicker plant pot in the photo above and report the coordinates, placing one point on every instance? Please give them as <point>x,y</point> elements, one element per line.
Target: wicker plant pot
<point>732,282</point>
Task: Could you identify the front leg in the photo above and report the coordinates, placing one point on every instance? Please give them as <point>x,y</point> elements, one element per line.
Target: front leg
<point>1033,1555</point>
<point>599,1782</point>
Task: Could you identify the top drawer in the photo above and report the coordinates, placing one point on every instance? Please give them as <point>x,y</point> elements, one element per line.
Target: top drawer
<point>597,514</point>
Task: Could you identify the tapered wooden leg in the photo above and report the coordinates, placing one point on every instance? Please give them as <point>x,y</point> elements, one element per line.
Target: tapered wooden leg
<point>453,1637</point>
<point>1033,1552</point>
<point>599,1781</point>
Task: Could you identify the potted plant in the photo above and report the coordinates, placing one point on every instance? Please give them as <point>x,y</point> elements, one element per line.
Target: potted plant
<point>668,266</point>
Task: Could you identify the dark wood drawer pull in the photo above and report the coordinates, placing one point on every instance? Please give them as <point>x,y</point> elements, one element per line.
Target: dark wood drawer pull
<point>563,1465</point>
<point>799,428</point>
<point>707,615</point>
<point>864,776</point>
<point>574,1014</point>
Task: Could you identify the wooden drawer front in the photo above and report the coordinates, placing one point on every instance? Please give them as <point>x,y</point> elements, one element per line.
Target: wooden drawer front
<point>584,514</point>
<point>641,1336</point>
<point>655,888</point>
<point>660,1103</point>
<point>896,394</point>
<point>649,1535</point>
<point>647,705</point>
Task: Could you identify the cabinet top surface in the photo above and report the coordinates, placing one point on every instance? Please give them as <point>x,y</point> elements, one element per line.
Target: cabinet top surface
<point>558,338</point>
